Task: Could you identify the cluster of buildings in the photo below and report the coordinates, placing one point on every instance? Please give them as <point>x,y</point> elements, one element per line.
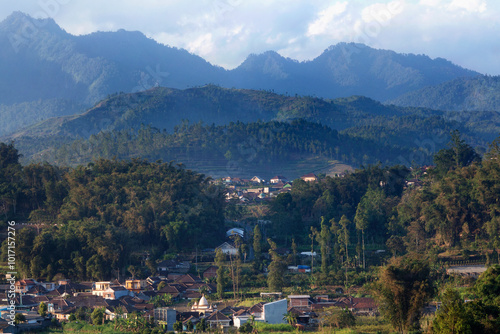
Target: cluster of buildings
<point>307,310</point>
<point>119,300</point>
<point>270,313</point>
<point>257,189</point>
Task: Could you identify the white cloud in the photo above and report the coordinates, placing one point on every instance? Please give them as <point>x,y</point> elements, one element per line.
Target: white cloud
<point>473,6</point>
<point>382,12</point>
<point>202,46</point>
<point>431,3</point>
<point>325,22</point>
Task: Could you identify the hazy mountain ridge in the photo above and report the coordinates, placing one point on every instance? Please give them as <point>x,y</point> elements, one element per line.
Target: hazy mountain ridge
<point>367,125</point>
<point>480,93</point>
<point>51,64</point>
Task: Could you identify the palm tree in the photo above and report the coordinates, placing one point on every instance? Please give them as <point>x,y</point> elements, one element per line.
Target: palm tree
<point>290,318</point>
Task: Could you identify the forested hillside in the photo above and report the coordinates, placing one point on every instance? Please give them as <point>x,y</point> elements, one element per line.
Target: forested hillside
<point>481,93</point>
<point>164,123</point>
<point>247,147</point>
<point>99,218</point>
<point>454,210</point>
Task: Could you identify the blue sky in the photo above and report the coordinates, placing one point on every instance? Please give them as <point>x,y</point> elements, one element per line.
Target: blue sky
<point>225,32</point>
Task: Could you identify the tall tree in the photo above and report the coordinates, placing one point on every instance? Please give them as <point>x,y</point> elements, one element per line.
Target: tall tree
<point>98,316</point>
<point>344,236</point>
<point>370,213</point>
<point>457,155</point>
<point>11,184</point>
<point>221,279</point>
<point>325,242</point>
<point>276,269</point>
<point>344,239</point>
<point>403,288</point>
<point>452,317</point>
<point>294,253</point>
<point>257,246</point>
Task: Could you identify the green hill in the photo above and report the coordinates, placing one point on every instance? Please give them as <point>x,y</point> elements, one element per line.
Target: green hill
<point>208,128</point>
<point>471,94</point>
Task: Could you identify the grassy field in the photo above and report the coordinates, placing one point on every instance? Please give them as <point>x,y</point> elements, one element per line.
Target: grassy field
<point>364,325</point>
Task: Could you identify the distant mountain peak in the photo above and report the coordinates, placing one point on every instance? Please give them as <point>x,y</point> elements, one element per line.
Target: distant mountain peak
<point>27,26</point>
<point>269,63</point>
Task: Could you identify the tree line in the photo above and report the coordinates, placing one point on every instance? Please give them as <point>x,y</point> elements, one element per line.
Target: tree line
<point>92,220</point>
<point>257,143</point>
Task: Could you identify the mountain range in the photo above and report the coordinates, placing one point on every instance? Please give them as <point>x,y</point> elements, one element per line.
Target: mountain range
<point>47,72</point>
<point>210,127</point>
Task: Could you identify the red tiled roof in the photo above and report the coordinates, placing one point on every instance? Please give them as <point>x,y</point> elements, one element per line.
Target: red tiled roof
<point>217,316</point>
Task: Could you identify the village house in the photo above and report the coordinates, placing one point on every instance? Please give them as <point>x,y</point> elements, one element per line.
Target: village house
<point>210,272</point>
<point>218,320</point>
<point>300,301</point>
<point>257,179</point>
<point>100,287</point>
<point>172,266</point>
<point>136,285</point>
<point>311,177</point>
<point>227,248</point>
<point>23,285</point>
<point>116,292</point>
<point>278,179</point>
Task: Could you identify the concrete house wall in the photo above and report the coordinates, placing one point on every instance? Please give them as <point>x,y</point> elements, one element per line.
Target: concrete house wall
<point>275,311</point>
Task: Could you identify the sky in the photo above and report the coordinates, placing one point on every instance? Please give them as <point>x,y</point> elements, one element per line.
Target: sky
<point>225,32</point>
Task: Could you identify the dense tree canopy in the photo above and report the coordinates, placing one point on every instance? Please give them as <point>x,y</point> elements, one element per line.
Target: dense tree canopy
<point>93,219</point>
<point>403,288</point>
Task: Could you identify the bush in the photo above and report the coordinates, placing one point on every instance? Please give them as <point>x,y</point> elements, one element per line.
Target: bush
<point>262,327</point>
<point>246,328</point>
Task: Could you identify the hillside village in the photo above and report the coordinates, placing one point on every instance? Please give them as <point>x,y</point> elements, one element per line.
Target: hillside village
<point>190,301</point>
<point>176,294</point>
<point>258,189</point>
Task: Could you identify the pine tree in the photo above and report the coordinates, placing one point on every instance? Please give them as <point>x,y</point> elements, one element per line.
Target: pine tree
<point>221,279</point>
<point>257,246</point>
<point>276,269</point>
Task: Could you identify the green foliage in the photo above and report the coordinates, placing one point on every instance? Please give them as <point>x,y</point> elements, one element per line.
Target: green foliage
<point>221,273</point>
<point>162,300</point>
<point>488,286</point>
<point>246,328</point>
<point>257,246</point>
<point>271,142</point>
<point>113,129</point>
<point>452,316</point>
<point>19,318</point>
<point>189,326</point>
<point>468,97</point>
<point>202,325</point>
<point>98,215</point>
<point>178,326</point>
<point>161,285</point>
<point>262,327</point>
<point>325,241</point>
<point>290,318</point>
<point>276,269</point>
<point>403,288</point>
<point>459,154</point>
<point>42,309</point>
<point>337,317</point>
<point>98,316</point>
